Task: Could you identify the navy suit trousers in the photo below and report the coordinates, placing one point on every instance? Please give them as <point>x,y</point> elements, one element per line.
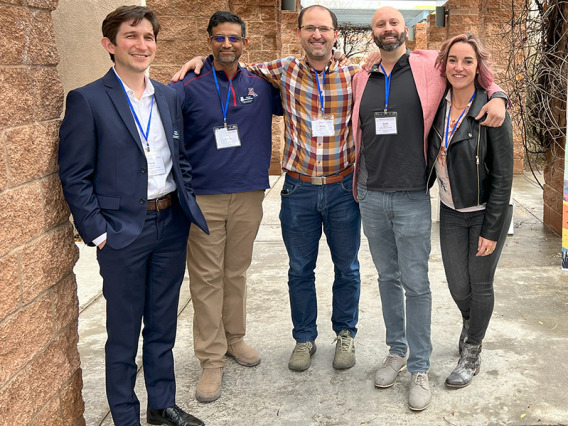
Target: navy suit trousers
<point>142,282</point>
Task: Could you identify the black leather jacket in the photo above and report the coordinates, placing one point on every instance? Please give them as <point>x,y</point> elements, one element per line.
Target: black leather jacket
<point>479,162</point>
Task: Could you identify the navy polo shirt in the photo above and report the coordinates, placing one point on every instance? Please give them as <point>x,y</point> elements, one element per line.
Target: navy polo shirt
<point>252,102</point>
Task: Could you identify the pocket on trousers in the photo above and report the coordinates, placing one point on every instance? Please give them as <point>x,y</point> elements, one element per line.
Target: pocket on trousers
<point>361,193</point>
<point>419,195</point>
<point>288,189</point>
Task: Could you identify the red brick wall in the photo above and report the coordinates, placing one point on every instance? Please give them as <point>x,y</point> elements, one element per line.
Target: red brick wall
<point>40,378</point>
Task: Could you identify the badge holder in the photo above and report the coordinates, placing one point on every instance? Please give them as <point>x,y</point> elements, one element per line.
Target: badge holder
<point>385,123</point>
<point>227,137</point>
<point>323,125</point>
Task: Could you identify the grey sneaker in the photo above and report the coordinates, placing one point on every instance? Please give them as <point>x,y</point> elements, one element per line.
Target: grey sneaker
<point>344,351</point>
<point>388,371</point>
<point>301,357</point>
<point>468,366</point>
<point>419,395</point>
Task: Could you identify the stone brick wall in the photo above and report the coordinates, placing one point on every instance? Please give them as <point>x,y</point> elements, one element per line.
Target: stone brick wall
<point>40,378</point>
<point>271,33</point>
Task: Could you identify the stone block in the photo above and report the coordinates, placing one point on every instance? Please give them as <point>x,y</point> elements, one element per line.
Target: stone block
<point>65,302</point>
<point>10,288</point>
<point>165,52</point>
<point>17,104</point>
<point>49,414</point>
<point>163,73</point>
<point>186,49</point>
<point>22,215</point>
<point>55,208</point>
<point>47,92</point>
<point>23,334</point>
<point>3,164</point>
<point>552,198</point>
<point>46,261</point>
<point>271,42</point>
<point>42,49</point>
<point>177,28</point>
<point>263,28</point>
<point>32,151</point>
<point>552,219</point>
<point>40,379</point>
<point>44,4</point>
<point>13,38</point>
<point>270,14</point>
<point>247,12</point>
<point>159,7</point>
<point>71,399</point>
<point>261,56</point>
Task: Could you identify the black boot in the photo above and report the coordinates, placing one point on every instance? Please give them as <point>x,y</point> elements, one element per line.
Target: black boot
<point>463,335</point>
<point>468,366</point>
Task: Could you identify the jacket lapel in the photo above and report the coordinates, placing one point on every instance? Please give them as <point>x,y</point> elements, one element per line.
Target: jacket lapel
<point>165,116</point>
<point>118,98</point>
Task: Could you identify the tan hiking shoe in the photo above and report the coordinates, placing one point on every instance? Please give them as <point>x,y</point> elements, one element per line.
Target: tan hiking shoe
<point>419,394</point>
<point>301,357</point>
<point>243,354</point>
<point>209,386</point>
<point>388,371</point>
<point>344,351</point>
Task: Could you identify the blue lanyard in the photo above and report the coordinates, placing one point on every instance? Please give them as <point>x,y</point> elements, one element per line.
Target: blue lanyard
<point>320,89</point>
<point>226,107</point>
<point>448,135</point>
<point>136,117</point>
<point>387,87</point>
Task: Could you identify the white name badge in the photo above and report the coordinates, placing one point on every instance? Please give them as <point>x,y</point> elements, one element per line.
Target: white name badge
<point>385,123</point>
<point>227,137</point>
<point>155,164</point>
<point>323,125</point>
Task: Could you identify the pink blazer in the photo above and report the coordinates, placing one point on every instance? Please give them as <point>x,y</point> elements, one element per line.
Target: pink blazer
<point>430,85</point>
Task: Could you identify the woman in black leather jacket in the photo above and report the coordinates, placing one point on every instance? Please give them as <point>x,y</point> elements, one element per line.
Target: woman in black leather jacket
<point>474,167</point>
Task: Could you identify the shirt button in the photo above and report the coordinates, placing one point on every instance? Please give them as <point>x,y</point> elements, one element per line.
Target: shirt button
<point>470,135</point>
<point>142,201</point>
<point>142,170</point>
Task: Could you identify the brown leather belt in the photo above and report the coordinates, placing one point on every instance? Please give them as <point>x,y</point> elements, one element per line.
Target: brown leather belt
<point>161,203</point>
<point>322,180</point>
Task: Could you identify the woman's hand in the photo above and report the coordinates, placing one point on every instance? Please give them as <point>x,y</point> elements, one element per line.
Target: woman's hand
<point>485,247</point>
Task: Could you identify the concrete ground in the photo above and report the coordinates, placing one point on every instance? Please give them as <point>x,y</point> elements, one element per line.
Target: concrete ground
<point>523,378</point>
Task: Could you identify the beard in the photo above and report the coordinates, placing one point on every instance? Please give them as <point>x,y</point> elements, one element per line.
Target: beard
<point>391,45</point>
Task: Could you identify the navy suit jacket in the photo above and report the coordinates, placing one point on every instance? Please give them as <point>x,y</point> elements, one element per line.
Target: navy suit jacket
<point>102,165</point>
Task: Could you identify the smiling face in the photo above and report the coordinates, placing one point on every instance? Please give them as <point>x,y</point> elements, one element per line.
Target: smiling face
<point>226,54</point>
<point>389,30</point>
<point>135,47</point>
<point>317,45</point>
<point>461,66</point>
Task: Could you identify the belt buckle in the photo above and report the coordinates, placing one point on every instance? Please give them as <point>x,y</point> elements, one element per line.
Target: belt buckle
<point>157,204</point>
<point>318,180</point>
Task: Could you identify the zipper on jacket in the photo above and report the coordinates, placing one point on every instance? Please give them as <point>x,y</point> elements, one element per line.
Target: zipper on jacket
<point>434,165</point>
<point>477,162</point>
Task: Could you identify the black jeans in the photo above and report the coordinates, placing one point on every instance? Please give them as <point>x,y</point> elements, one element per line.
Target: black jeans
<point>470,278</point>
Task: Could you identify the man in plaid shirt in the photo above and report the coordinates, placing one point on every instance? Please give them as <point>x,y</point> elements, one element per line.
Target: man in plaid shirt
<point>317,193</point>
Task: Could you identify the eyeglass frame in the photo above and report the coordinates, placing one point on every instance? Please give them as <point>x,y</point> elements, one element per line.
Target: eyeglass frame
<point>326,29</point>
<point>216,38</point>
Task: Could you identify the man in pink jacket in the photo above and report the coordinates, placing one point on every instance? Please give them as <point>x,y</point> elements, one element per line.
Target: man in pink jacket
<point>395,104</point>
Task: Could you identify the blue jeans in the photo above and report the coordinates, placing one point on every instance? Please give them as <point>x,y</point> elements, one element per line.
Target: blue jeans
<point>397,226</point>
<point>470,278</point>
<point>306,208</point>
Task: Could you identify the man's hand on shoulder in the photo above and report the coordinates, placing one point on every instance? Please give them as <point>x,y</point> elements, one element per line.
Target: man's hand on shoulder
<point>194,65</point>
<point>495,110</point>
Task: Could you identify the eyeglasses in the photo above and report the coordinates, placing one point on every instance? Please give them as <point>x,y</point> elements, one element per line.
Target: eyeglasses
<point>311,29</point>
<point>222,38</point>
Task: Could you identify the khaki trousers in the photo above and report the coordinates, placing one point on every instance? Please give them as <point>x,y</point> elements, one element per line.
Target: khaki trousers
<point>217,265</point>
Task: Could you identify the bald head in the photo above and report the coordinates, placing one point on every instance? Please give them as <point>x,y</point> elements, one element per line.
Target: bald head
<point>389,30</point>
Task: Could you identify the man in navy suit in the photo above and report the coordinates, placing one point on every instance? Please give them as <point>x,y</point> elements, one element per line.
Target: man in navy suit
<point>126,178</point>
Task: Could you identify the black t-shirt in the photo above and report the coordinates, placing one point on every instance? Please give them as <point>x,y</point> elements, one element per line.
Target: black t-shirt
<point>393,162</point>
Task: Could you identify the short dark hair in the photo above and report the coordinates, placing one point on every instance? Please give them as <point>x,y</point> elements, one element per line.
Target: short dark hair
<point>132,14</point>
<point>221,17</point>
<point>301,15</point>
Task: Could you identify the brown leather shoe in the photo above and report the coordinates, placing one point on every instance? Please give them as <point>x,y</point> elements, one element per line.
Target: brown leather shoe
<point>243,354</point>
<point>209,386</point>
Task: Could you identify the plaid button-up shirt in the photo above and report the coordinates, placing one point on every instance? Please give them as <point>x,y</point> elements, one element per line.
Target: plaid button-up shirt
<point>303,152</point>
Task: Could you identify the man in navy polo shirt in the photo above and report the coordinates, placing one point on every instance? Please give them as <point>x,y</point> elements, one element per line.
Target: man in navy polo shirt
<point>227,114</point>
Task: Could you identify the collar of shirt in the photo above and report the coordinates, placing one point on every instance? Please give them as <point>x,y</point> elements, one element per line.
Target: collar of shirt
<point>402,62</point>
<point>148,90</point>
